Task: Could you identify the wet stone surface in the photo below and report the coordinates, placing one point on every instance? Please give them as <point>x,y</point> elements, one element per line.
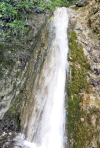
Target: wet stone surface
<point>15,56</point>
<point>6,139</point>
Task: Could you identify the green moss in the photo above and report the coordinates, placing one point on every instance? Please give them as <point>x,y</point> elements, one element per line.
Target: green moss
<point>77,8</point>
<point>16,105</point>
<point>93,110</point>
<point>98,143</point>
<point>14,110</point>
<point>82,136</point>
<point>10,112</point>
<point>17,74</point>
<point>62,3</point>
<point>79,66</point>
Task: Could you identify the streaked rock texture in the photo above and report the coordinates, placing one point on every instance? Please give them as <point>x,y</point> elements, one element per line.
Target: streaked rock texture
<point>16,55</point>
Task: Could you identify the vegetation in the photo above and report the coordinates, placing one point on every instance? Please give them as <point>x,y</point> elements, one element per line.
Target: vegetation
<point>14,111</point>
<point>13,14</point>
<point>77,8</point>
<point>99,36</point>
<point>79,66</point>
<point>97,0</point>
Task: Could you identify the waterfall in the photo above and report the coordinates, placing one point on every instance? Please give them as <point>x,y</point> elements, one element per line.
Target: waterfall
<point>44,125</point>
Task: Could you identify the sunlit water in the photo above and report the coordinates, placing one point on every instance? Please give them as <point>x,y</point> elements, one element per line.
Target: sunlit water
<point>49,132</point>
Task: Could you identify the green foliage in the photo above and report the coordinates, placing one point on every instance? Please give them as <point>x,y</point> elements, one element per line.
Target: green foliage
<point>77,8</point>
<point>13,16</point>
<point>72,109</point>
<point>98,143</point>
<point>13,13</point>
<point>60,3</point>
<point>99,36</point>
<point>95,10</point>
<point>97,1</point>
<point>82,135</point>
<point>79,67</point>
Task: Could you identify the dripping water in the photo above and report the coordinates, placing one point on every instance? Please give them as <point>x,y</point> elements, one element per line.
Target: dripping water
<point>46,126</point>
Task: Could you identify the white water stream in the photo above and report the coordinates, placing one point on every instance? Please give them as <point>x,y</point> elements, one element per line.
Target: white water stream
<point>50,131</point>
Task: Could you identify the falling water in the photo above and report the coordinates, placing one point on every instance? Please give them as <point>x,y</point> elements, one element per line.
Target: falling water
<point>45,126</point>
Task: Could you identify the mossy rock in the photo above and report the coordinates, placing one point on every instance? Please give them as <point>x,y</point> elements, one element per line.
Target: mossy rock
<point>15,110</point>
<point>79,66</point>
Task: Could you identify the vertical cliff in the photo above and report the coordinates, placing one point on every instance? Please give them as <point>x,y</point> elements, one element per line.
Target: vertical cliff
<point>84,90</point>
<point>18,59</point>
<point>21,60</point>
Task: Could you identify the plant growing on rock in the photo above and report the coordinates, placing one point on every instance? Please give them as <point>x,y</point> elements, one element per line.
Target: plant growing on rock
<point>13,14</point>
<point>97,0</point>
<point>79,66</point>
<point>99,36</point>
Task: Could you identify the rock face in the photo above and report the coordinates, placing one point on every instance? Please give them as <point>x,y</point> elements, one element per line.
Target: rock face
<point>89,97</point>
<point>33,74</point>
<point>15,56</point>
<point>94,17</point>
<point>82,3</point>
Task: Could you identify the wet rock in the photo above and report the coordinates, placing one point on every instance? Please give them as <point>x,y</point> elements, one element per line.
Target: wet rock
<point>97,71</point>
<point>82,3</point>
<point>8,124</point>
<point>95,60</point>
<point>7,140</point>
<point>73,6</point>
<point>15,55</point>
<point>1,98</point>
<point>96,82</point>
<point>14,58</point>
<point>2,106</point>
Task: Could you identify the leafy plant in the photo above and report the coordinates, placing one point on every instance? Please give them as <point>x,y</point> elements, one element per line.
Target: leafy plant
<point>13,13</point>
<point>99,36</point>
